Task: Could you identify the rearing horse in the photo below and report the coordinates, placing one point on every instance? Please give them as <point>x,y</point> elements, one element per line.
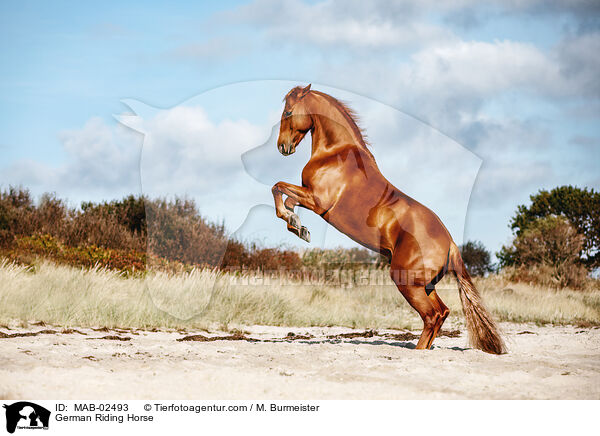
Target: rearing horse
<point>342,183</point>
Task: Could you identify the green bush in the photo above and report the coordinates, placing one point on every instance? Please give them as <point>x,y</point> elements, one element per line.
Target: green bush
<point>28,248</point>
<point>580,207</point>
<point>121,233</point>
<point>546,253</point>
<point>477,258</point>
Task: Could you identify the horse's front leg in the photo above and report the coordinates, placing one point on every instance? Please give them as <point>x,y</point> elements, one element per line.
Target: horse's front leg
<point>293,224</point>
<point>296,195</point>
<point>290,204</point>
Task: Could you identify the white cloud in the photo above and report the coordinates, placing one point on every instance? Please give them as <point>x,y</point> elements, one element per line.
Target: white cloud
<point>101,161</point>
<point>341,24</point>
<point>441,82</point>
<point>579,64</point>
<point>478,68</point>
<point>185,151</point>
<point>99,155</point>
<point>391,25</point>
<point>441,65</point>
<point>500,182</point>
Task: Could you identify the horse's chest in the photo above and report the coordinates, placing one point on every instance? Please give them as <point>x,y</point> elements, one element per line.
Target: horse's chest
<point>335,169</point>
<point>326,182</point>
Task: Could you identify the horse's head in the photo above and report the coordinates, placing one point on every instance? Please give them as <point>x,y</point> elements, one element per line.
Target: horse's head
<point>295,121</point>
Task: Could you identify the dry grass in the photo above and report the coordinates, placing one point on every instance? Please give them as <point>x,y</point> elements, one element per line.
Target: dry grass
<point>69,296</point>
<point>521,302</point>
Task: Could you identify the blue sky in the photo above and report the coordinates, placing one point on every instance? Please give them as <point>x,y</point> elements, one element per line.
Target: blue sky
<point>513,83</point>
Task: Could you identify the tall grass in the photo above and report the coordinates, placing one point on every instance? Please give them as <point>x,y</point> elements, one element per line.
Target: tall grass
<point>68,296</point>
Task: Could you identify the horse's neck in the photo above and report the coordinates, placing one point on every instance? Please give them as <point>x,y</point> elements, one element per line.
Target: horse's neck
<point>332,130</point>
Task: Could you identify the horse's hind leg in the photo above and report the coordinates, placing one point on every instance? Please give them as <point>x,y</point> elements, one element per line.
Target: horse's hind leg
<point>428,308</point>
<point>442,309</point>
<point>417,298</point>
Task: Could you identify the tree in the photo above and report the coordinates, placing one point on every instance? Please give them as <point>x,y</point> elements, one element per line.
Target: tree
<point>581,207</point>
<point>547,252</point>
<point>476,258</point>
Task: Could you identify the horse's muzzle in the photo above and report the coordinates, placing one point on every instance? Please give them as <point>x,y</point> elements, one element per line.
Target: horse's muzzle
<point>286,150</point>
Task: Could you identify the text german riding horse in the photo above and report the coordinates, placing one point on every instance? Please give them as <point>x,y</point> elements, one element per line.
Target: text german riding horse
<point>342,183</point>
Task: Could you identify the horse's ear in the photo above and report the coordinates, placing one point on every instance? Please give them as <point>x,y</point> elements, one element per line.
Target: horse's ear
<point>304,91</point>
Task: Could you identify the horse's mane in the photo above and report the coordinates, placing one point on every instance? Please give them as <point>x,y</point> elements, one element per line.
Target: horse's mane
<point>350,114</point>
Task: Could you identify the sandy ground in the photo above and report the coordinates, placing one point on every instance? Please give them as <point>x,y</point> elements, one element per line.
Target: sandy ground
<point>316,363</point>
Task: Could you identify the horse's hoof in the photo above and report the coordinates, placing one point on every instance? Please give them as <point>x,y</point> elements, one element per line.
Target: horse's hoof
<point>304,234</point>
<point>294,230</point>
<point>294,221</point>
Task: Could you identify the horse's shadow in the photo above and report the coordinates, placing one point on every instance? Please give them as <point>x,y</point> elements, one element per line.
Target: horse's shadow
<point>408,345</point>
<point>400,344</point>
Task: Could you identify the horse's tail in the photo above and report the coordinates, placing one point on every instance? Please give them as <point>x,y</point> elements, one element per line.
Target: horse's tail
<point>483,332</point>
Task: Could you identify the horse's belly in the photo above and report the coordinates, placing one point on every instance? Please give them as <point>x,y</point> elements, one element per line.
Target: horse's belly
<point>382,219</point>
<point>370,238</point>
<point>354,221</point>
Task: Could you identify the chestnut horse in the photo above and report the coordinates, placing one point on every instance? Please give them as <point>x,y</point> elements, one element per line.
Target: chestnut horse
<point>342,183</point>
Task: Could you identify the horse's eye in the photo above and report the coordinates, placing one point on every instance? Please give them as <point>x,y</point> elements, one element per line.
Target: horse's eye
<point>287,114</point>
